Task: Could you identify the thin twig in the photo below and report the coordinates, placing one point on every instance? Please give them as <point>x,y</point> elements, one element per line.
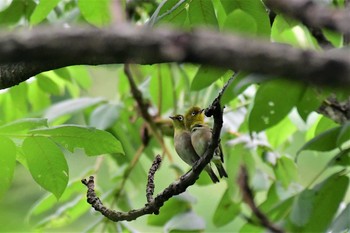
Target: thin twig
<point>144,110</point>
<point>150,181</point>
<point>248,198</point>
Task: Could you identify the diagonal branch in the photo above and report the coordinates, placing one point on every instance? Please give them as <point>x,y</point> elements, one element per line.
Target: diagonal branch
<point>43,49</point>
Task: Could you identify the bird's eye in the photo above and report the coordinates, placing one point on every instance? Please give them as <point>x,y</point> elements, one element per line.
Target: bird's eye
<point>180,118</point>
<point>193,113</point>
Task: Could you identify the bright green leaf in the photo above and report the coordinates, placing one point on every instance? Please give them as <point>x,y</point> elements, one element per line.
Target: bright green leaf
<point>226,211</point>
<point>96,12</point>
<point>286,171</point>
<point>279,134</point>
<point>18,95</point>
<point>7,163</point>
<point>46,163</point>
<point>93,141</point>
<point>48,85</point>
<point>23,125</point>
<point>255,9</point>
<point>205,76</point>
<point>241,22</point>
<point>37,98</point>
<point>309,102</point>
<point>81,76</point>
<point>323,142</point>
<point>42,10</point>
<point>172,12</point>
<point>16,11</point>
<point>271,106</point>
<point>344,134</point>
<point>201,12</point>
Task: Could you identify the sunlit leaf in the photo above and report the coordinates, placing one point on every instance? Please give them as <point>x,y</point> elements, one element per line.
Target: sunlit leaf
<point>93,141</point>
<point>42,10</point>
<point>323,142</point>
<point>96,12</point>
<point>7,163</point>
<point>205,76</point>
<point>240,22</point>
<point>201,12</point>
<point>46,163</point>
<point>23,125</point>
<point>309,102</point>
<point>286,171</point>
<point>279,134</point>
<point>48,85</point>
<point>16,11</point>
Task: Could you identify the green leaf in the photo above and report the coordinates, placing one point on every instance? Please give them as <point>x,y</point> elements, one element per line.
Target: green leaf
<point>320,207</point>
<point>7,163</point>
<point>188,221</point>
<point>205,76</point>
<point>172,207</point>
<point>48,202</point>
<point>309,102</point>
<point>255,9</point>
<point>42,10</point>
<point>201,12</point>
<point>37,98</point>
<point>173,12</point>
<point>70,106</point>
<point>341,223</point>
<point>93,141</point>
<point>241,22</point>
<point>341,159</point>
<point>96,12</point>
<point>23,125</point>
<point>226,211</point>
<point>81,76</point>
<point>286,171</point>
<point>279,134</point>
<point>16,11</point>
<point>281,30</point>
<point>104,116</point>
<point>46,163</point>
<point>270,106</point>
<point>344,134</point>
<point>323,142</point>
<point>48,85</point>
<point>240,83</point>
<point>302,207</point>
<point>19,98</point>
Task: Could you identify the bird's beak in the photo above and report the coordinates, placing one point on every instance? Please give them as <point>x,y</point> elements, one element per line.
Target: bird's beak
<point>203,110</point>
<point>171,117</point>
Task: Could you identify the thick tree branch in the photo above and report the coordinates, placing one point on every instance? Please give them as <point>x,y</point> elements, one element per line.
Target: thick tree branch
<point>49,48</point>
<point>154,204</point>
<point>313,14</point>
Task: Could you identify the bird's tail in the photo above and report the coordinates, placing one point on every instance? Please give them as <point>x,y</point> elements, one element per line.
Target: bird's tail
<point>212,175</point>
<point>220,168</point>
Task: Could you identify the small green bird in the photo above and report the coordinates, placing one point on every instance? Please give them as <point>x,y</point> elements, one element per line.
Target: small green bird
<point>201,136</point>
<point>184,148</point>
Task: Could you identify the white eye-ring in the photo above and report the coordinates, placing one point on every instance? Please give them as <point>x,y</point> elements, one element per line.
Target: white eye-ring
<point>180,118</point>
<point>194,113</point>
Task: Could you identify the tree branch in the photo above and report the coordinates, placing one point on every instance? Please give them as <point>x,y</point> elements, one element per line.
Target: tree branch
<point>43,49</point>
<point>154,204</point>
<point>313,14</point>
<point>248,198</point>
